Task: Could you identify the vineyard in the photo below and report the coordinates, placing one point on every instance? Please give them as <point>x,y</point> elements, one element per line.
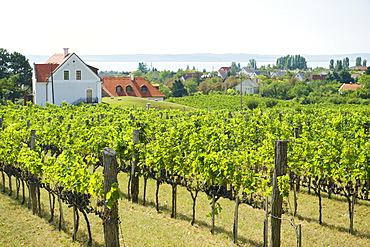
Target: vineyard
<point>221,154</point>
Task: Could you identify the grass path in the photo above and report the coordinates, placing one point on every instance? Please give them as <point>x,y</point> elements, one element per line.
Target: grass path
<point>143,226</point>
<point>18,227</point>
<point>129,101</point>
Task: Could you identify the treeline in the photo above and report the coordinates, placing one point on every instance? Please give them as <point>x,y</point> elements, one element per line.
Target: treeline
<point>286,85</point>
<point>291,62</point>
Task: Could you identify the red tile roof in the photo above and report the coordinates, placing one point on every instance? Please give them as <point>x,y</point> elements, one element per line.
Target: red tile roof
<point>317,77</point>
<point>58,58</point>
<point>43,71</point>
<point>350,87</point>
<point>110,85</point>
<point>361,67</point>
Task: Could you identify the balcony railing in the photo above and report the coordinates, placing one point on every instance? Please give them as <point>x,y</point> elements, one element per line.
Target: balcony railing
<point>94,100</point>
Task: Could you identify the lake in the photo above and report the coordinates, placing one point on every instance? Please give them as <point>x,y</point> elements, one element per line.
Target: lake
<point>173,66</point>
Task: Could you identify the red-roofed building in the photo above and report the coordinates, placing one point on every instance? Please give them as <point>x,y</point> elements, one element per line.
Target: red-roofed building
<point>346,86</point>
<point>316,77</point>
<point>222,72</point>
<point>130,86</point>
<point>65,77</point>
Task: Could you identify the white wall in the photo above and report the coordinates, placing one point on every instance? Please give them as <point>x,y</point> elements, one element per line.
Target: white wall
<point>72,89</point>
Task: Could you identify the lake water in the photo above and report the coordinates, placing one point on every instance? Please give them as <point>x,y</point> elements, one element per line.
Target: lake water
<point>175,66</point>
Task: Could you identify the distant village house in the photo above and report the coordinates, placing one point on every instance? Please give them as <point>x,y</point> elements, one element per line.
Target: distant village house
<point>249,86</point>
<point>347,86</point>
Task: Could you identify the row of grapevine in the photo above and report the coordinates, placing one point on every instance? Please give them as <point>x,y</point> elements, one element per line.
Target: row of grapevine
<point>222,153</point>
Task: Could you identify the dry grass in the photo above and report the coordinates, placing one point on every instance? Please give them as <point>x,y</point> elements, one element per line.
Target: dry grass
<point>143,226</point>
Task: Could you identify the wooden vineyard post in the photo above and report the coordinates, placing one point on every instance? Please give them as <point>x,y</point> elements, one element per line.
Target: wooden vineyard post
<point>134,176</point>
<point>296,132</point>
<point>32,179</point>
<point>266,224</point>
<point>299,235</point>
<point>277,198</point>
<point>111,228</point>
<point>236,216</point>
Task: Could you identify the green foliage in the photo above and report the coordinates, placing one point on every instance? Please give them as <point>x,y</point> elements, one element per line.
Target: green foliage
<point>252,63</point>
<point>16,68</point>
<point>178,89</point>
<point>252,103</point>
<point>283,185</point>
<point>113,195</point>
<point>143,67</point>
<point>291,62</point>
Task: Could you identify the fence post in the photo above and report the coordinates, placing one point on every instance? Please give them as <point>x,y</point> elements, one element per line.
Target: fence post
<point>277,198</point>
<point>134,176</point>
<point>111,228</point>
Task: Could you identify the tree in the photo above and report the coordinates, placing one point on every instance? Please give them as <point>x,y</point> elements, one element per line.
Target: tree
<point>364,80</point>
<point>339,66</point>
<point>143,67</point>
<point>165,90</point>
<point>332,77</point>
<point>364,62</point>
<point>7,86</point>
<point>345,63</point>
<point>291,62</point>
<point>191,86</point>
<point>331,64</point>
<point>165,74</point>
<point>345,77</point>
<point>207,85</point>
<point>4,63</point>
<point>12,64</point>
<point>367,71</point>
<point>178,89</point>
<point>358,61</point>
<point>277,89</point>
<point>231,82</point>
<point>234,69</point>
<point>252,63</point>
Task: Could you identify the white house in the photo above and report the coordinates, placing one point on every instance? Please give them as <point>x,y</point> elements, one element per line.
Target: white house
<point>65,77</point>
<point>249,86</point>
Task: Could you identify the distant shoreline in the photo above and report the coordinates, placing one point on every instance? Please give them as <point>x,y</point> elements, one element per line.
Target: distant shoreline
<point>209,62</point>
<point>202,57</point>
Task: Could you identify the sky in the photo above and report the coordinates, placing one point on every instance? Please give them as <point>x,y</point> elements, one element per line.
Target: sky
<point>277,27</point>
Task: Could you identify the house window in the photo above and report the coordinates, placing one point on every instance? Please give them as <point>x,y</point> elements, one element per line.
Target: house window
<point>118,89</point>
<point>144,89</point>
<point>78,75</point>
<point>129,89</point>
<point>66,75</point>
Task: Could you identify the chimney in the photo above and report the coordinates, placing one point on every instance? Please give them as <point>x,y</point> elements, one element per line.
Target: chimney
<point>132,77</point>
<point>65,51</point>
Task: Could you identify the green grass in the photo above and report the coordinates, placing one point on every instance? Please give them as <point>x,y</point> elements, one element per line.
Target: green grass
<point>143,226</point>
<point>136,102</point>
